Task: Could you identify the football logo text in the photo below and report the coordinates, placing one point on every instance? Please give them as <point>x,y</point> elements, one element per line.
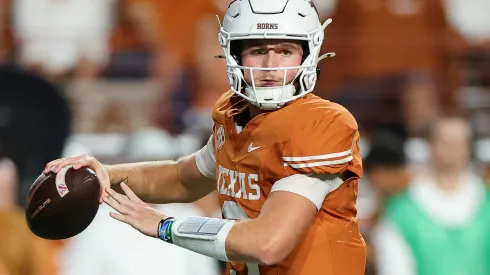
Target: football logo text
<point>267,26</point>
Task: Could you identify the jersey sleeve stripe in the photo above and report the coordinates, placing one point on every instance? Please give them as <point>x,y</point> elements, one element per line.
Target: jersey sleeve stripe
<point>319,157</point>
<point>320,163</point>
<point>206,160</point>
<point>210,149</point>
<point>313,187</point>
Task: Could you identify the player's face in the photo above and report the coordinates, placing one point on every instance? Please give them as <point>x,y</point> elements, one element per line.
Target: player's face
<point>451,145</point>
<point>271,54</point>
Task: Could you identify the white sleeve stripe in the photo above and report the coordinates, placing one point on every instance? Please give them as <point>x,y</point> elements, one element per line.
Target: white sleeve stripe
<point>318,157</point>
<point>313,187</point>
<point>203,162</point>
<point>210,148</point>
<point>206,160</point>
<point>320,163</point>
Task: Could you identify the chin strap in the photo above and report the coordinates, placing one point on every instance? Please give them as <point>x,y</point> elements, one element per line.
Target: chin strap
<point>277,95</point>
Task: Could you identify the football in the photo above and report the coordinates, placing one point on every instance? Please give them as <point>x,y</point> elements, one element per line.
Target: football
<point>62,205</point>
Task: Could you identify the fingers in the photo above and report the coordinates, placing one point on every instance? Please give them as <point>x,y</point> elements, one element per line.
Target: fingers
<point>51,165</point>
<point>131,195</point>
<point>64,162</point>
<point>79,161</point>
<point>56,165</point>
<point>85,162</point>
<point>121,208</point>
<point>119,217</point>
<point>103,195</point>
<point>144,219</point>
<point>104,180</point>
<point>115,205</point>
<point>116,196</point>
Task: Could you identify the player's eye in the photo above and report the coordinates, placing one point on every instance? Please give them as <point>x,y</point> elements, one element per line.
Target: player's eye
<point>286,52</point>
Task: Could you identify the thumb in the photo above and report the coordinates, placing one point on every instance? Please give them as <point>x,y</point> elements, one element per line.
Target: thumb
<point>104,183</point>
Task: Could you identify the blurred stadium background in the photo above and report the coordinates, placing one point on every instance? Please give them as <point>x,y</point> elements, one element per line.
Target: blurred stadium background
<point>130,80</point>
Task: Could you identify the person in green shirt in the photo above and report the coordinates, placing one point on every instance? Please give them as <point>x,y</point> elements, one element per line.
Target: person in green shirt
<point>440,224</point>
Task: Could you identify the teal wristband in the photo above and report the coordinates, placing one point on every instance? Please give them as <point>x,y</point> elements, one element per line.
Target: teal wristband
<point>168,230</point>
<point>162,226</point>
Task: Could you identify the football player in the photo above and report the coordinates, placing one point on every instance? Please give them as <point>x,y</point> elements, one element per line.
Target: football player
<point>285,162</point>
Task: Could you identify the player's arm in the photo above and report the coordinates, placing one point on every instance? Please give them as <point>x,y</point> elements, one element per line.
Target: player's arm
<point>285,217</point>
<point>156,181</point>
<point>164,181</point>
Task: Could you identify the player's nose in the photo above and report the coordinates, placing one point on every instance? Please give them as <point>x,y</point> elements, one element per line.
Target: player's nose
<point>271,60</point>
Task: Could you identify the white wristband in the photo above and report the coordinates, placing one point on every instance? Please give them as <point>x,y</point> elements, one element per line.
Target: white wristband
<point>203,235</point>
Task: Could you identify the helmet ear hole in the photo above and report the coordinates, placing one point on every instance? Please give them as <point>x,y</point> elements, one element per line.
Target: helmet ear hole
<point>236,51</point>
<point>306,50</point>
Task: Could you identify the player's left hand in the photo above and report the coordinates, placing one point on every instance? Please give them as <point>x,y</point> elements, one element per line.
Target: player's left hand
<point>133,211</point>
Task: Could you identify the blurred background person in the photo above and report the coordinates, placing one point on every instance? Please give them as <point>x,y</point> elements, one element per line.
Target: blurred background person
<point>34,123</point>
<point>386,164</point>
<point>385,174</point>
<point>439,225</point>
<point>392,54</point>
<point>21,253</point>
<point>61,37</point>
<point>186,106</point>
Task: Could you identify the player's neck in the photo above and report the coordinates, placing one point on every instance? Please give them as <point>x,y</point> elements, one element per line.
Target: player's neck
<point>448,180</point>
<point>248,114</point>
<point>254,111</point>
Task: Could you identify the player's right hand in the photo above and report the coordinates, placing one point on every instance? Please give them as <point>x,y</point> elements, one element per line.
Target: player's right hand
<point>83,161</point>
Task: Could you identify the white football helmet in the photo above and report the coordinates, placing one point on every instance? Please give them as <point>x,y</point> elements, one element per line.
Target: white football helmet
<point>273,19</point>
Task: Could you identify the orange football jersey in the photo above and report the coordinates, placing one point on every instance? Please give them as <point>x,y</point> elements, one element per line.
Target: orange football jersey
<point>310,135</point>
